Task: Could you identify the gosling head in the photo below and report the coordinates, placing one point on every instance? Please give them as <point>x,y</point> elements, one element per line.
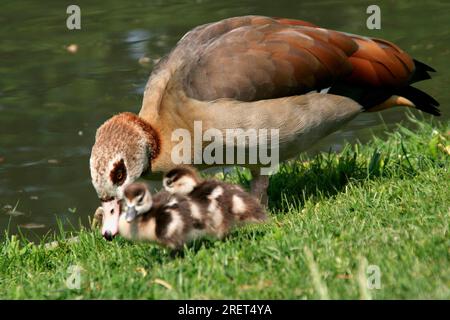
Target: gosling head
<point>138,200</point>
<point>181,180</point>
<point>124,148</point>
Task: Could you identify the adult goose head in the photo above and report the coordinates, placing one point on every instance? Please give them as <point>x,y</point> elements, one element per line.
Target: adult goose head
<point>254,72</point>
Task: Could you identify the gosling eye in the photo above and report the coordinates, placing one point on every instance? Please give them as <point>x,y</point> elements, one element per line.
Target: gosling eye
<point>140,199</point>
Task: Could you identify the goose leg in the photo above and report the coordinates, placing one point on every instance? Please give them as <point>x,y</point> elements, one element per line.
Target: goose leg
<point>259,185</point>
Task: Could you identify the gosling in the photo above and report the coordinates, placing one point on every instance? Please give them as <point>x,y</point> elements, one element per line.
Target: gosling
<point>163,218</point>
<point>218,205</point>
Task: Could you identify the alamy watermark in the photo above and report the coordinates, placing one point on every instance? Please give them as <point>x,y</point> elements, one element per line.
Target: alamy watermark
<point>374,20</point>
<point>73,21</point>
<point>369,278</point>
<point>227,147</point>
<point>73,281</point>
<point>373,277</point>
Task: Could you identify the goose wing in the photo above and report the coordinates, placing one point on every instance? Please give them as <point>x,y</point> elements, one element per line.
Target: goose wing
<point>254,58</point>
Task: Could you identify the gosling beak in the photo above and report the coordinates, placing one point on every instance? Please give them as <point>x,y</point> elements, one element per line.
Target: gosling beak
<point>131,214</point>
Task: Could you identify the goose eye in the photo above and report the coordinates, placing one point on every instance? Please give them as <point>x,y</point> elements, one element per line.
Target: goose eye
<point>118,173</point>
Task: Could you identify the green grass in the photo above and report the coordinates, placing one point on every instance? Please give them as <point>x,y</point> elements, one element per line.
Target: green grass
<point>385,203</point>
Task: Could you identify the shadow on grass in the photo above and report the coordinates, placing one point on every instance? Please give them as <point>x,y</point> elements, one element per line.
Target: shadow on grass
<point>323,177</point>
<point>208,243</point>
<point>404,154</point>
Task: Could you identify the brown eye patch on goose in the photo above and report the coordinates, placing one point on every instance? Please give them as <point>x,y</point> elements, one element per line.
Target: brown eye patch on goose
<point>118,173</point>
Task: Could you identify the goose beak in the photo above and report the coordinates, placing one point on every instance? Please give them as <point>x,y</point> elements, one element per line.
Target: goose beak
<point>131,214</point>
<point>111,214</point>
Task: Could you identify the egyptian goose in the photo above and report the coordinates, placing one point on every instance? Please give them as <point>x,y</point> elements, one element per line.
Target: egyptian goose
<point>254,72</point>
<point>179,219</point>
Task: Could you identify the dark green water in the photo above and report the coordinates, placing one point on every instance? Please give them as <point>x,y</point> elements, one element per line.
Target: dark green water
<point>52,101</point>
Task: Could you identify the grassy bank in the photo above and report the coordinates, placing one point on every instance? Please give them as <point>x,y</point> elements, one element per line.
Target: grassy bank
<point>384,204</point>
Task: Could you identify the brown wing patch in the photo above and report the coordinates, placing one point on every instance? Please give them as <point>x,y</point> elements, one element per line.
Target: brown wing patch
<point>268,61</point>
<point>253,57</point>
<point>379,63</point>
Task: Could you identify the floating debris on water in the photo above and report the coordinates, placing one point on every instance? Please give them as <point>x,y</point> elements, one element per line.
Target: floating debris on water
<point>14,213</point>
<point>32,225</point>
<point>34,198</point>
<point>53,161</point>
<point>144,60</point>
